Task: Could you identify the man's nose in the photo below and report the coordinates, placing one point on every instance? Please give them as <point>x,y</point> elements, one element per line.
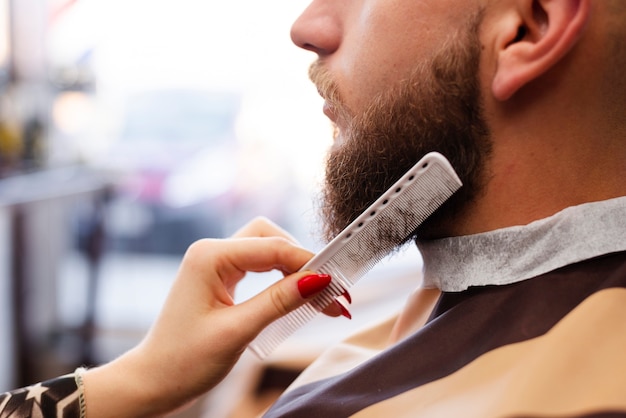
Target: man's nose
<point>318,28</point>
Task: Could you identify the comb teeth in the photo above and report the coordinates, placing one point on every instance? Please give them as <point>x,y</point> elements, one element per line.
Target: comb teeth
<point>384,226</point>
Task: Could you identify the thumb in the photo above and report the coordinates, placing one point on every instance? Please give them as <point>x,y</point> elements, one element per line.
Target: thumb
<point>281,298</point>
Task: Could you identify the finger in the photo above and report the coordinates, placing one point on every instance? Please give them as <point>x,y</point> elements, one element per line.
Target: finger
<point>336,309</point>
<point>279,299</point>
<point>263,227</point>
<point>231,259</point>
<point>269,253</point>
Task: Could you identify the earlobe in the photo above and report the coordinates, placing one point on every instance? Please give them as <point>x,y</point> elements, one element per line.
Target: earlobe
<point>533,39</point>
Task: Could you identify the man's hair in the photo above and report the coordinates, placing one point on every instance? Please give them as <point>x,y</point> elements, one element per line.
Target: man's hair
<point>617,6</point>
<point>615,80</point>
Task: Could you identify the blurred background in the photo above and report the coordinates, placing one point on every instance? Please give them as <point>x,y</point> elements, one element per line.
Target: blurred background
<point>130,129</point>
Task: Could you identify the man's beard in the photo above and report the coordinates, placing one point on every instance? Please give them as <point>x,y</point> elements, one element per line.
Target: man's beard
<point>437,109</point>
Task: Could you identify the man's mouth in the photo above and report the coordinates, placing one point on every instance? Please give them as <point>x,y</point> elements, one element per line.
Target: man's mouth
<point>329,111</point>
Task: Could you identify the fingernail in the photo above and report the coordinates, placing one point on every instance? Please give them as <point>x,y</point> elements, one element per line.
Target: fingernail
<point>344,311</point>
<point>310,285</point>
<point>347,296</point>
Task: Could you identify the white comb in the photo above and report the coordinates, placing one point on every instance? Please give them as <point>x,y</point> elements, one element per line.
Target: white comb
<point>384,226</point>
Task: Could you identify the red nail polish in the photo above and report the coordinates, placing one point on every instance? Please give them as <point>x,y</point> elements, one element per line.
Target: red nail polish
<point>310,285</point>
<point>347,296</point>
<point>344,311</point>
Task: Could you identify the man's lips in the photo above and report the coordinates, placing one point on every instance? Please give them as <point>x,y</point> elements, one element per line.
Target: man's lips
<point>329,111</point>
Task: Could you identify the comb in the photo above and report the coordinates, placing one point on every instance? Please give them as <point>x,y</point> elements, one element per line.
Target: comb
<point>383,227</point>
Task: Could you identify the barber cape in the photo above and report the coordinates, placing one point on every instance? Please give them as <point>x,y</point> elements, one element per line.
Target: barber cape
<point>525,321</point>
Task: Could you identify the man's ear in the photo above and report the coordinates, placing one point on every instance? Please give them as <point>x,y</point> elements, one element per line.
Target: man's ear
<point>533,38</point>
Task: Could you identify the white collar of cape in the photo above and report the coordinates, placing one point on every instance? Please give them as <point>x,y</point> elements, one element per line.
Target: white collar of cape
<point>518,253</point>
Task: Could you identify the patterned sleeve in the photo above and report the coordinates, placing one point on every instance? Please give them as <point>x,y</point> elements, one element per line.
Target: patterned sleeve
<point>61,397</point>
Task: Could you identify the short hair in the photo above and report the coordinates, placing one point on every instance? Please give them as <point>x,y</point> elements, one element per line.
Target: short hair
<point>615,78</point>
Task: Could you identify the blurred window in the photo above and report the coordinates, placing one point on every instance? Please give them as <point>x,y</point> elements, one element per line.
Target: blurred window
<point>178,115</point>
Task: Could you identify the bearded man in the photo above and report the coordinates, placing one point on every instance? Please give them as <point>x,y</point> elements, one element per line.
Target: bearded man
<point>521,308</point>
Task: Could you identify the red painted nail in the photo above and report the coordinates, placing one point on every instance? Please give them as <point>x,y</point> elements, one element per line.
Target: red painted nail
<point>344,311</point>
<point>347,296</point>
<point>310,285</point>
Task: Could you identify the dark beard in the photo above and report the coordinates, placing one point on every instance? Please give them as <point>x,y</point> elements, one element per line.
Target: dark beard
<point>437,109</point>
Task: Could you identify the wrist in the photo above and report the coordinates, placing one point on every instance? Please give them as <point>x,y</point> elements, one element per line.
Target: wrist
<point>123,389</point>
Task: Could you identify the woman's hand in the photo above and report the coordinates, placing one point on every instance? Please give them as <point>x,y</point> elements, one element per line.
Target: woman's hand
<point>201,333</point>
